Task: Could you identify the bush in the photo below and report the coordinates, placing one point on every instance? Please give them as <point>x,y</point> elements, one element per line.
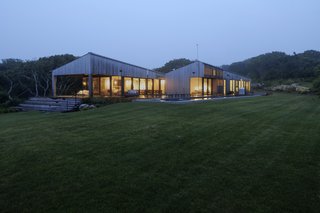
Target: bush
<point>316,86</point>
<point>8,109</point>
<point>3,97</point>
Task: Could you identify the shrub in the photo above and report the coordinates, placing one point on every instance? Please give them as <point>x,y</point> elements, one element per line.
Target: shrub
<point>316,86</point>
<point>3,97</point>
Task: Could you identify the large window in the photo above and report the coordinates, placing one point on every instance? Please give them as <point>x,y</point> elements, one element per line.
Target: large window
<point>136,84</point>
<point>232,86</point>
<point>163,86</point>
<point>116,85</point>
<point>237,86</point>
<point>85,85</point>
<point>127,84</point>
<point>96,86</point>
<point>241,84</point>
<point>150,85</point>
<point>247,84</point>
<point>196,86</point>
<point>156,86</point>
<point>143,86</point>
<point>105,86</point>
<point>209,86</point>
<point>205,86</point>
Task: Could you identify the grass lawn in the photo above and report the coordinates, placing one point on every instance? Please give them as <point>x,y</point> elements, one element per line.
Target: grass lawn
<point>247,155</point>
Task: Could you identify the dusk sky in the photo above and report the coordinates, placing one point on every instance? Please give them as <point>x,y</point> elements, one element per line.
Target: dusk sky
<point>149,33</point>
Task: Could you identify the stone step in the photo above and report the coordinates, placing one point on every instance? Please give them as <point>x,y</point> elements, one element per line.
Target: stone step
<point>50,105</point>
<point>28,107</point>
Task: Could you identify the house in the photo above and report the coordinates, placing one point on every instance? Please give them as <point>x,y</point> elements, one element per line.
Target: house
<point>103,76</point>
<point>200,79</point>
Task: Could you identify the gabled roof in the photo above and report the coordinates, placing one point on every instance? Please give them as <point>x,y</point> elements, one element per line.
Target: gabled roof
<point>99,64</point>
<point>97,55</point>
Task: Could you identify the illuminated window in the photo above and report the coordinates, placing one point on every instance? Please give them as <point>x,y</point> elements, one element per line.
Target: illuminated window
<point>127,84</point>
<point>232,86</point>
<point>205,85</point>
<point>116,85</point>
<point>95,85</point>
<point>196,86</point>
<point>247,83</point>
<point>237,86</point>
<point>136,83</point>
<point>156,86</point>
<point>85,83</point>
<point>105,86</point>
<point>163,86</point>
<point>209,87</point>
<point>150,85</point>
<point>143,86</point>
<point>224,87</point>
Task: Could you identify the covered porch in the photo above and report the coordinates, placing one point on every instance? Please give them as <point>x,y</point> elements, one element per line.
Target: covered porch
<point>107,86</point>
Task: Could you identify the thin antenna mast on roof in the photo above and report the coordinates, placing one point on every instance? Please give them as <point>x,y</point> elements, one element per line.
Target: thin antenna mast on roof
<point>197,52</point>
<point>199,70</point>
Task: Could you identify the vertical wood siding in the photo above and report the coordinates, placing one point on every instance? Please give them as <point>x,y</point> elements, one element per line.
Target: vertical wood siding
<point>178,81</point>
<point>99,65</point>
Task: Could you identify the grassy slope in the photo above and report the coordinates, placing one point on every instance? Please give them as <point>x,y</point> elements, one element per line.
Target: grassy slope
<point>259,155</point>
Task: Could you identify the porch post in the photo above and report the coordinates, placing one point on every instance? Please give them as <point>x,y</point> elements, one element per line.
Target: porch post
<point>202,79</point>
<point>122,86</point>
<point>90,85</point>
<point>54,85</point>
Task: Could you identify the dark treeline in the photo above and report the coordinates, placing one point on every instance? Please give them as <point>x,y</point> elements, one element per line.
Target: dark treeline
<point>22,79</point>
<point>278,65</point>
<point>174,64</point>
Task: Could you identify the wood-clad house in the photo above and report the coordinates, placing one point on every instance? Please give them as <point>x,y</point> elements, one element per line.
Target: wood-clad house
<point>102,76</point>
<point>201,79</point>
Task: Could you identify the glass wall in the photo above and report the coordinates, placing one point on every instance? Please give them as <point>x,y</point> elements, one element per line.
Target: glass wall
<point>209,86</point>
<point>96,85</point>
<point>205,86</point>
<point>116,85</point>
<point>136,84</point>
<point>237,86</point>
<point>150,86</point>
<point>127,84</point>
<point>196,86</point>
<point>156,86</point>
<point>162,86</point>
<point>232,86</point>
<point>143,86</point>
<point>112,85</point>
<point>247,86</point>
<point>105,86</point>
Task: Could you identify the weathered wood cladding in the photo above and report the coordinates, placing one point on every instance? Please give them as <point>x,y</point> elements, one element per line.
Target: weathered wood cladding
<point>105,66</point>
<point>99,65</point>
<point>232,76</point>
<point>178,81</point>
<point>80,66</point>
